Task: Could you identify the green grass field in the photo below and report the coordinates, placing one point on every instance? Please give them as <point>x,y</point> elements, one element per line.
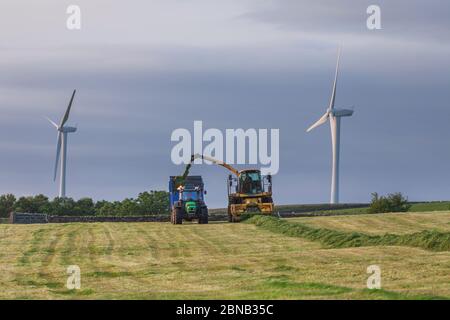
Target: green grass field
<point>229,261</point>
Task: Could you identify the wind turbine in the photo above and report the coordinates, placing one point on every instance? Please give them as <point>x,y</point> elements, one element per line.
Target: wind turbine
<point>62,143</point>
<point>334,115</point>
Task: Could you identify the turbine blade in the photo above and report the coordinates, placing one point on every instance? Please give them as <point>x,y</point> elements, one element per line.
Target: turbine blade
<point>66,115</point>
<point>52,122</point>
<point>333,94</point>
<point>58,152</point>
<point>319,122</point>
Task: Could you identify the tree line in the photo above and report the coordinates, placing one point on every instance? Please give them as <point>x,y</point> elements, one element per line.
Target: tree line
<point>147,203</point>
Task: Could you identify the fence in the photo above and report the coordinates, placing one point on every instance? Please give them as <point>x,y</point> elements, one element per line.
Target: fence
<point>27,218</point>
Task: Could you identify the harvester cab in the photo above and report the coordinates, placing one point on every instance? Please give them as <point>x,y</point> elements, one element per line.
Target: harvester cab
<point>187,199</point>
<point>250,182</point>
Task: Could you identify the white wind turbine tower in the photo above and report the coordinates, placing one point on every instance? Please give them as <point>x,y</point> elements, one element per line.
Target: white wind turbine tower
<point>334,115</point>
<point>62,143</point>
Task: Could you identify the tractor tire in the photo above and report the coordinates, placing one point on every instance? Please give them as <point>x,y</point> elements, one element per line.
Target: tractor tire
<point>230,216</point>
<point>177,216</point>
<point>203,219</point>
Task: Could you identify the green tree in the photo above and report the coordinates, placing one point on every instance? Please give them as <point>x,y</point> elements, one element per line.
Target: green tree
<point>154,202</point>
<point>62,207</point>
<point>107,208</point>
<point>129,207</point>
<point>36,204</point>
<point>7,202</point>
<point>84,206</point>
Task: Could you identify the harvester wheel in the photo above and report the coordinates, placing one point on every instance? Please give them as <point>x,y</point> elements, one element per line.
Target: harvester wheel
<point>235,219</point>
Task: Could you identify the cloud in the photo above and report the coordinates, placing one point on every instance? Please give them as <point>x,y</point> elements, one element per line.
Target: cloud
<point>403,20</point>
<point>246,64</point>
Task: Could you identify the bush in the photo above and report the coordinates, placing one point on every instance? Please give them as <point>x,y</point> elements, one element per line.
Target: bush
<point>393,202</point>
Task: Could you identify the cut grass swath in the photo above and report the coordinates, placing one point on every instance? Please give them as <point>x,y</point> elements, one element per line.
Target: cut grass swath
<point>429,240</point>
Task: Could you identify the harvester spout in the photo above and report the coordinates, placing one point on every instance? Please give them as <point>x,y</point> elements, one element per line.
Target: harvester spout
<point>214,161</point>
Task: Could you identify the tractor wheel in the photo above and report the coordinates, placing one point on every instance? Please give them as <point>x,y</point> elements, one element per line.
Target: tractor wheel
<point>177,216</point>
<point>203,219</point>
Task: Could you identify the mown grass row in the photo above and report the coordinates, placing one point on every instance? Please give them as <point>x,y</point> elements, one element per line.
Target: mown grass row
<point>314,289</point>
<point>429,240</point>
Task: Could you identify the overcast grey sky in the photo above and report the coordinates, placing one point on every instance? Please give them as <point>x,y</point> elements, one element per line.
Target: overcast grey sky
<point>145,68</point>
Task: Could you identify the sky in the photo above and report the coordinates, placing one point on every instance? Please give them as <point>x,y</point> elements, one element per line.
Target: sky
<point>145,68</point>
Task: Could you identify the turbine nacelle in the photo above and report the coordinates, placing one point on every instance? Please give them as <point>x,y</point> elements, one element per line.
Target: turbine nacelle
<point>342,112</point>
<point>67,129</point>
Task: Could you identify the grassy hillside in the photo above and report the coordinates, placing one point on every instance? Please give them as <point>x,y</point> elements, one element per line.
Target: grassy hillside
<point>430,206</point>
<point>398,223</point>
<point>221,260</point>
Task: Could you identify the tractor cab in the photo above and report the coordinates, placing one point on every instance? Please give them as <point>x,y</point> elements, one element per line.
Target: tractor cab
<point>191,195</point>
<point>190,198</point>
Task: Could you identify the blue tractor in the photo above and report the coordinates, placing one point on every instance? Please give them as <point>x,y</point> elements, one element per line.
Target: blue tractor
<point>187,199</point>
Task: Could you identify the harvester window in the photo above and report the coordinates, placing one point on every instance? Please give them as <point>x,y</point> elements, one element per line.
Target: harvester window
<point>250,183</point>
